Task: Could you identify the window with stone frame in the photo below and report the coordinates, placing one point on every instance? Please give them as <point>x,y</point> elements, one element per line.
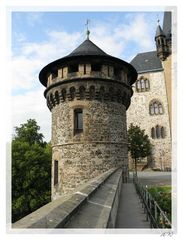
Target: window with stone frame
<point>78,120</point>
<point>155,108</point>
<point>55,172</point>
<point>142,85</point>
<point>157,132</point>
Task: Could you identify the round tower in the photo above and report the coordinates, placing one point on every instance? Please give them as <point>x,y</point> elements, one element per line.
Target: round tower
<point>88,93</point>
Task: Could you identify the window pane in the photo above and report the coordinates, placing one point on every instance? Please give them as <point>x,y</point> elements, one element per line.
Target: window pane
<point>156,108</point>
<point>160,109</point>
<point>138,85</point>
<point>79,120</point>
<point>157,131</point>
<point>142,84</point>
<point>147,84</point>
<point>162,132</point>
<point>153,133</point>
<point>152,110</point>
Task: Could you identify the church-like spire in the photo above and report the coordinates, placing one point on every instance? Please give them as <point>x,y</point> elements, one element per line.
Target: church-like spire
<point>161,43</point>
<point>159,31</point>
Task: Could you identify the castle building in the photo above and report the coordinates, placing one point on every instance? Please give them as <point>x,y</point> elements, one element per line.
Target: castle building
<point>88,93</point>
<point>151,103</point>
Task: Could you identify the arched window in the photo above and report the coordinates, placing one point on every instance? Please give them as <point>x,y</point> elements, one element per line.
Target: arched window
<point>78,120</point>
<point>159,42</point>
<point>82,92</point>
<point>158,134</point>
<point>72,93</point>
<point>138,85</point>
<point>52,99</point>
<point>147,84</point>
<point>63,94</point>
<point>57,97</point>
<point>152,110</point>
<point>153,133</point>
<point>142,85</point>
<point>92,92</point>
<point>160,108</point>
<point>162,132</point>
<point>155,108</point>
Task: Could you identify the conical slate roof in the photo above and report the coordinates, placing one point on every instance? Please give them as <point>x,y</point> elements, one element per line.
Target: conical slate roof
<point>159,31</point>
<point>87,48</point>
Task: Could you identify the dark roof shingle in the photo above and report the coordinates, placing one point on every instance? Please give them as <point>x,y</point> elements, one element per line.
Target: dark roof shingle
<point>147,62</point>
<point>87,48</point>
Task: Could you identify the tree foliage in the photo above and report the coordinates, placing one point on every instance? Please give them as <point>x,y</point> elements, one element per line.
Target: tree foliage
<point>138,143</point>
<point>31,170</point>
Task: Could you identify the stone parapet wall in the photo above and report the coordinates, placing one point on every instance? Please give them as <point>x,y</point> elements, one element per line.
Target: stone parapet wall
<point>58,213</point>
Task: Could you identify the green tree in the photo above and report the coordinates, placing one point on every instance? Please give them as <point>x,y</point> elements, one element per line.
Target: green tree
<point>138,144</point>
<point>28,132</point>
<point>31,170</point>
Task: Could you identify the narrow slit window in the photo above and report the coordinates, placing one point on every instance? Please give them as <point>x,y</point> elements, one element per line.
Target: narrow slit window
<point>84,68</point>
<point>55,172</point>
<point>78,120</point>
<point>158,134</point>
<point>153,135</point>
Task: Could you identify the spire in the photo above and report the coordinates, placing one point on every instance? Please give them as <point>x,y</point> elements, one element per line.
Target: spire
<point>87,30</point>
<point>159,31</point>
<point>161,43</point>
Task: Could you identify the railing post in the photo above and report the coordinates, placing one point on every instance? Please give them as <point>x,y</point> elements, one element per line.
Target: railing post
<point>155,212</point>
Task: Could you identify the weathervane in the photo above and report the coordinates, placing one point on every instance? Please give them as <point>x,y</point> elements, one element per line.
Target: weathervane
<point>158,19</point>
<point>87,30</point>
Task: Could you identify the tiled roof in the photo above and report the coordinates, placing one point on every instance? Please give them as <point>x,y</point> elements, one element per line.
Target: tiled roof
<point>146,62</point>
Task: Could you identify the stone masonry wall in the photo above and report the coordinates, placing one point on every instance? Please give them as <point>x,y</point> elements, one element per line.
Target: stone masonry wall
<point>138,114</point>
<point>101,146</point>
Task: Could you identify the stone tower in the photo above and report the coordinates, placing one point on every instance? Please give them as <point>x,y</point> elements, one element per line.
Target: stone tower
<point>163,40</point>
<point>161,44</point>
<point>88,93</point>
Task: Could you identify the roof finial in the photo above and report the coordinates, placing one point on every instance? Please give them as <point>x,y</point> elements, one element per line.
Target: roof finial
<point>87,30</point>
<point>158,21</point>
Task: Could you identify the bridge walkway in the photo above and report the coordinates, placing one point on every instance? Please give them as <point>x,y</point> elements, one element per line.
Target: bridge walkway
<point>130,212</point>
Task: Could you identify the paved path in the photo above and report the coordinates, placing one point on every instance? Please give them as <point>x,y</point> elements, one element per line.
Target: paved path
<point>130,211</point>
<point>155,178</point>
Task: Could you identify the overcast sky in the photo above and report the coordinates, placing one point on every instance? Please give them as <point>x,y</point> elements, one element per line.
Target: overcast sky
<point>41,37</point>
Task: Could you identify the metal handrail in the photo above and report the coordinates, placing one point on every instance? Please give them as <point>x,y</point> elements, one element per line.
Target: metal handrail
<point>156,216</point>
